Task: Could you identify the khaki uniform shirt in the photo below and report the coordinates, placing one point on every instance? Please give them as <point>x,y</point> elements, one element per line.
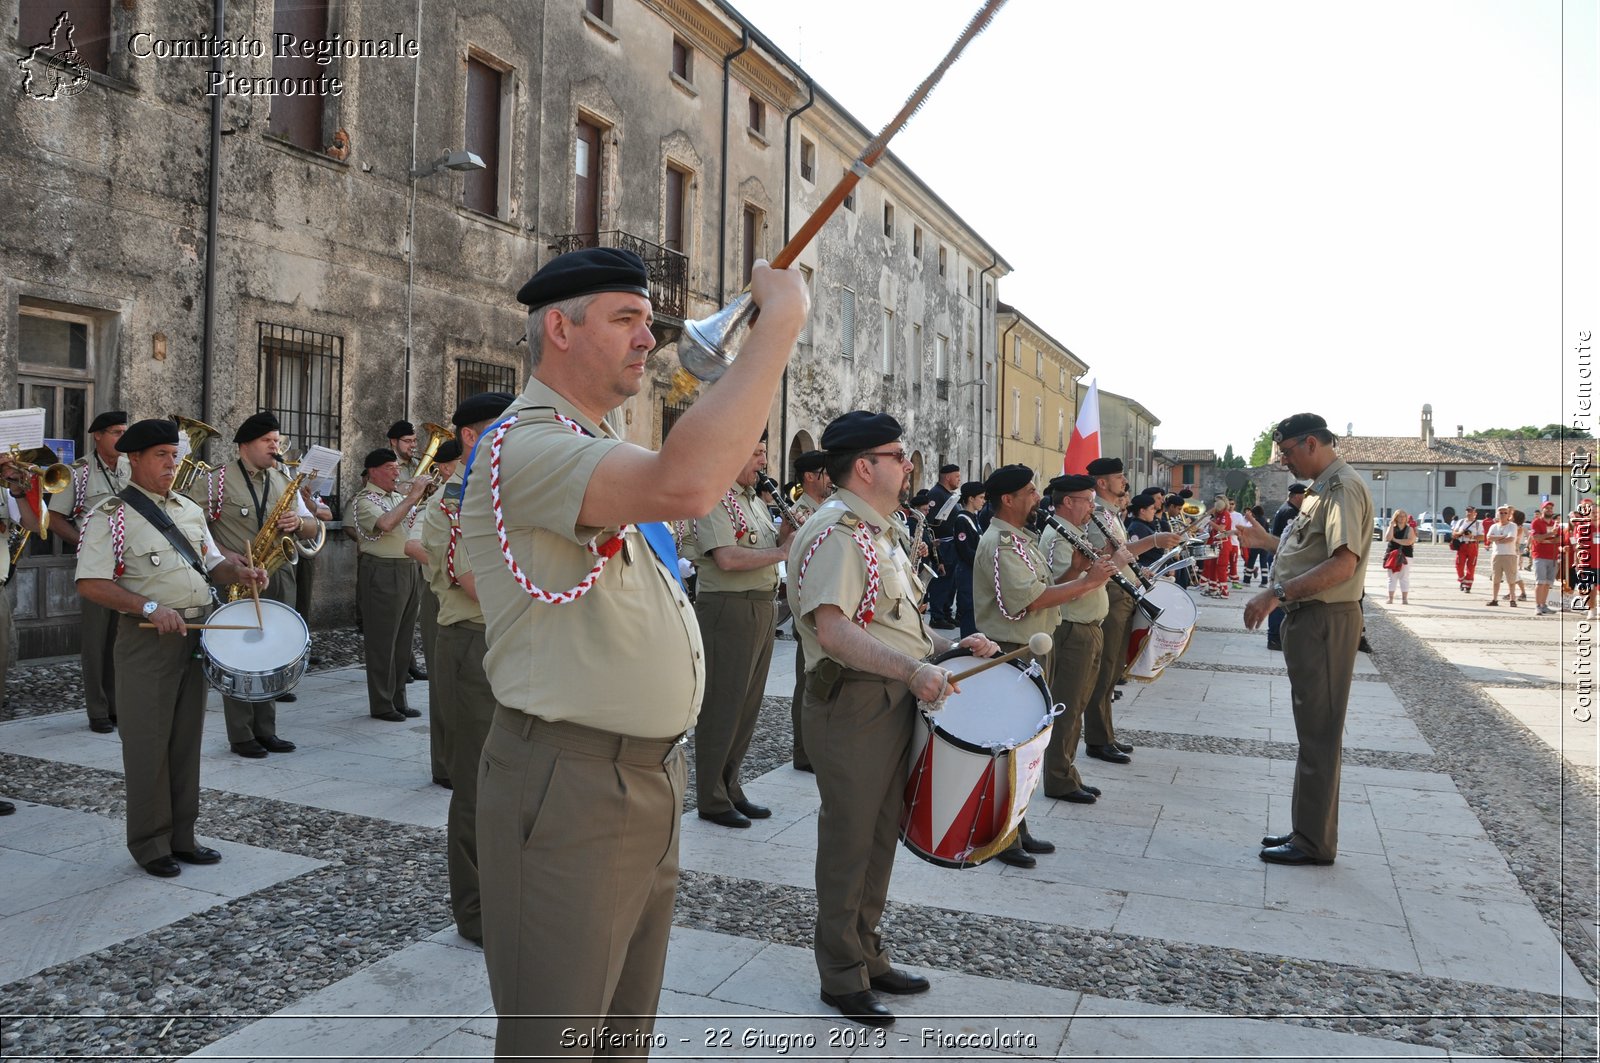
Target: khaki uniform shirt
<point>153,568</point>
<point>803,507</point>
<point>626,657</point>
<point>455,604</point>
<point>1058,553</point>
<point>837,575</point>
<point>235,523</point>
<point>1093,533</point>
<point>372,504</point>
<point>96,481</point>
<point>1021,581</point>
<point>1337,512</point>
<point>717,529</point>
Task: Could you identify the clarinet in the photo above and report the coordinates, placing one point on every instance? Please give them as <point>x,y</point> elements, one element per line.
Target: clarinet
<point>1076,540</point>
<point>917,521</point>
<point>767,484</point>
<point>1110,533</point>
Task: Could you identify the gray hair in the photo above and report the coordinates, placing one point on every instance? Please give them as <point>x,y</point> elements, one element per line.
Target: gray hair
<point>574,310</point>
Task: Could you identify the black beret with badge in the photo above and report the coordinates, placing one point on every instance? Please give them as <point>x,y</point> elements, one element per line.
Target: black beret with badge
<point>109,419</point>
<point>810,461</point>
<point>971,489</point>
<point>1297,425</point>
<point>1006,480</point>
<point>947,469</point>
<point>1067,484</point>
<point>1300,489</point>
<point>255,426</point>
<point>449,450</point>
<point>585,272</point>
<point>154,432</point>
<point>480,408</point>
<point>859,430</point>
<point>1104,466</point>
<point>381,456</point>
<point>401,429</point>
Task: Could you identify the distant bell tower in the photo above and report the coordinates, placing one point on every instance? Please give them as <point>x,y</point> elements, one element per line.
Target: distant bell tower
<point>1427,424</point>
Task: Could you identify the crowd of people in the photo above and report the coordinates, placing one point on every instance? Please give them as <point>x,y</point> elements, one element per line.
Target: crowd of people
<point>1562,554</point>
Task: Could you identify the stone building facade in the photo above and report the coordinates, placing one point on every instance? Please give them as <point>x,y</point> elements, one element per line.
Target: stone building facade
<point>353,276</point>
<point>1038,395</point>
<point>1127,431</point>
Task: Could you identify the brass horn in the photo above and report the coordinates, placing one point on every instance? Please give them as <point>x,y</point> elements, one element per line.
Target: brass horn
<point>706,347</point>
<point>192,465</point>
<point>40,462</point>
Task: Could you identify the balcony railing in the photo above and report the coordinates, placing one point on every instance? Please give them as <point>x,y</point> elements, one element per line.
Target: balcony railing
<point>668,269</point>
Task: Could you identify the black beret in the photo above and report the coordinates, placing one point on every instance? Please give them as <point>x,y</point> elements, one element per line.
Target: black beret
<point>1071,482</point>
<point>1104,466</point>
<point>1173,502</point>
<point>480,408</point>
<point>109,419</point>
<point>1141,501</point>
<point>1007,479</point>
<point>971,489</point>
<point>1300,489</point>
<point>255,426</point>
<point>449,450</point>
<point>945,469</point>
<point>810,461</point>
<point>859,430</point>
<point>381,456</point>
<point>154,432</point>
<point>921,498</point>
<point>594,269</point>
<point>1298,425</point>
<point>1186,493</point>
<point>401,429</point>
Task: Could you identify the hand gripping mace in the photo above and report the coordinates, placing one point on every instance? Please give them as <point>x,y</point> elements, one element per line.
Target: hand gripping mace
<point>709,345</point>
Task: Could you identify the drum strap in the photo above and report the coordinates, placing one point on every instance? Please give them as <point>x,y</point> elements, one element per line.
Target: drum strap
<point>163,524</point>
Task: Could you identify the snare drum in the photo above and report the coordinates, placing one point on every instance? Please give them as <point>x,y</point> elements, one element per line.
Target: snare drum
<point>255,665</point>
<point>1199,549</point>
<point>974,764</point>
<point>1154,645</point>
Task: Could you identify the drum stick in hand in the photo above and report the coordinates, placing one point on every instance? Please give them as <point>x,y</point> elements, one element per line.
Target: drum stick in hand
<point>214,627</point>
<point>1038,645</point>
<point>255,595</point>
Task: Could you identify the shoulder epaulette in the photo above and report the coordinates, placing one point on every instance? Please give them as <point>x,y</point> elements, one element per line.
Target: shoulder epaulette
<point>110,505</point>
<point>849,520</point>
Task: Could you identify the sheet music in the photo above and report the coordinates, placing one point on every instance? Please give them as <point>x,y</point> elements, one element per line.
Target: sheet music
<point>319,463</point>
<point>23,429</point>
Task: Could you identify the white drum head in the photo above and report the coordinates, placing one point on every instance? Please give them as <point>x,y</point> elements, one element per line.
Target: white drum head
<point>1178,611</point>
<point>1001,708</point>
<point>279,643</point>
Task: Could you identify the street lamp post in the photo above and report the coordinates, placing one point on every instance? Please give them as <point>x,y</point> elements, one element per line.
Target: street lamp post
<point>450,160</point>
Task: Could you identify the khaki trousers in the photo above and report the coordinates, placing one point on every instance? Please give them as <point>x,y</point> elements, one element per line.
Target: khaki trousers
<point>466,710</point>
<point>249,720</point>
<point>1097,727</point>
<point>7,638</point>
<point>438,736</point>
<point>1072,679</point>
<point>737,633</point>
<point>389,599</point>
<point>800,758</point>
<point>859,741</point>
<point>1319,651</point>
<point>162,693</point>
<point>97,640</point>
<point>578,833</point>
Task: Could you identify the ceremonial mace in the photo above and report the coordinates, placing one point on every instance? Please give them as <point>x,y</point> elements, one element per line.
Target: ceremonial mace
<point>709,345</point>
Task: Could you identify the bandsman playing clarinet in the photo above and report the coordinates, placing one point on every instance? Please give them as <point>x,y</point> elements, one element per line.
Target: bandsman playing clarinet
<point>238,500</point>
<point>147,556</point>
<point>388,583</point>
<point>96,476</point>
<point>815,487</point>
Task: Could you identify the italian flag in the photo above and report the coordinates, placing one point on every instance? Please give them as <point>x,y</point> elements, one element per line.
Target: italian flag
<point>1084,446</point>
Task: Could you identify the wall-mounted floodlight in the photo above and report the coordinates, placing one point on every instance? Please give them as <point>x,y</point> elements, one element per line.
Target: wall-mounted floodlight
<point>450,160</point>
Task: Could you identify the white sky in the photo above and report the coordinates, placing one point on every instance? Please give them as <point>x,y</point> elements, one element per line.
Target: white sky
<point>1236,211</point>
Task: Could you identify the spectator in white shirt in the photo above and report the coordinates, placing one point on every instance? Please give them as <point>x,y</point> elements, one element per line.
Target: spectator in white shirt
<point>1502,539</point>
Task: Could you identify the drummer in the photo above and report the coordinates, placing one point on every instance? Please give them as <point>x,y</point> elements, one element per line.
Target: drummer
<point>147,576</point>
<point>866,650</point>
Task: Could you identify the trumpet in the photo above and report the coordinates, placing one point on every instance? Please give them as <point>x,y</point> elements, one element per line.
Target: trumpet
<point>437,434</point>
<point>53,478</point>
<point>192,465</point>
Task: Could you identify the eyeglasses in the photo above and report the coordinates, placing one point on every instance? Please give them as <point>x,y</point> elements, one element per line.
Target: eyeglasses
<point>897,455</point>
<point>1284,450</point>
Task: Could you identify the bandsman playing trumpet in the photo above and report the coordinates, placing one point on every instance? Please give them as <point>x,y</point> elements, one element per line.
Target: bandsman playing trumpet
<point>147,556</point>
<point>96,476</point>
<point>388,581</point>
<point>251,506</point>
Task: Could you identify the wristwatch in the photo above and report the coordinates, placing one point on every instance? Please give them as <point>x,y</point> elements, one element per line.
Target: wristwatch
<point>1279,593</point>
<point>149,609</point>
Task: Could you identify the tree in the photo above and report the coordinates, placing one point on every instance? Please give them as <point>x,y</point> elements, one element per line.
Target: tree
<point>1245,497</point>
<point>1528,431</point>
<point>1229,461</point>
<point>1261,453</point>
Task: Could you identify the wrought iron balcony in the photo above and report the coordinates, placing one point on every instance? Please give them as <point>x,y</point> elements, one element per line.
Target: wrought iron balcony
<point>669,269</point>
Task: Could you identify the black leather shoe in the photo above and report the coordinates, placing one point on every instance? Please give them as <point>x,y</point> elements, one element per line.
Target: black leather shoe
<point>1015,857</point>
<point>1125,747</point>
<point>1291,854</point>
<point>102,727</point>
<point>864,1007</point>
<point>1080,796</point>
<point>288,696</point>
<point>391,716</point>
<point>274,744</point>
<point>1108,753</point>
<point>442,782</point>
<point>7,808</point>
<point>1364,646</point>
<point>1274,840</point>
<point>252,749</point>
<point>805,767</point>
<point>200,855</point>
<point>731,818</point>
<point>898,982</point>
<point>753,810</point>
<point>1274,644</point>
<point>409,713</point>
<point>1030,844</point>
<point>419,674</point>
<point>163,867</point>
<point>1095,790</point>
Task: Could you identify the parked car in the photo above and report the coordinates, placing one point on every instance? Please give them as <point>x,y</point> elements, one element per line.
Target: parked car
<point>1432,531</point>
<point>1378,524</point>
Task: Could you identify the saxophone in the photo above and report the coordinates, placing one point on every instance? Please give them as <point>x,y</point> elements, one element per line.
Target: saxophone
<point>271,549</point>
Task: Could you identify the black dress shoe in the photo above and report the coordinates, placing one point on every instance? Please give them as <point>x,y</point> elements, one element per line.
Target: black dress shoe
<point>274,744</point>
<point>102,727</point>
<point>1080,796</point>
<point>419,674</point>
<point>1291,854</point>
<point>442,782</point>
<point>1274,840</point>
<point>1095,790</point>
<point>409,713</point>
<point>1030,844</point>
<point>200,855</point>
<point>1274,644</point>
<point>1108,753</point>
<point>753,810</point>
<point>252,749</point>
<point>288,696</point>
<point>391,716</point>
<point>1126,747</point>
<point>731,818</point>
<point>1364,646</point>
<point>163,867</point>
<point>7,808</point>
<point>901,983</point>
<point>1015,857</point>
<point>864,1007</point>
<point>805,767</point>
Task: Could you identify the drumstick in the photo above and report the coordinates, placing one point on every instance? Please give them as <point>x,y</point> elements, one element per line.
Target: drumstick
<point>1038,645</point>
<point>255,595</point>
<point>215,627</point>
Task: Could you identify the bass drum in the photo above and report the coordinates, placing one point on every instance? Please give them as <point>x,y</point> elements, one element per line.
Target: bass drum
<point>974,763</point>
<point>1154,644</point>
<point>256,664</point>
